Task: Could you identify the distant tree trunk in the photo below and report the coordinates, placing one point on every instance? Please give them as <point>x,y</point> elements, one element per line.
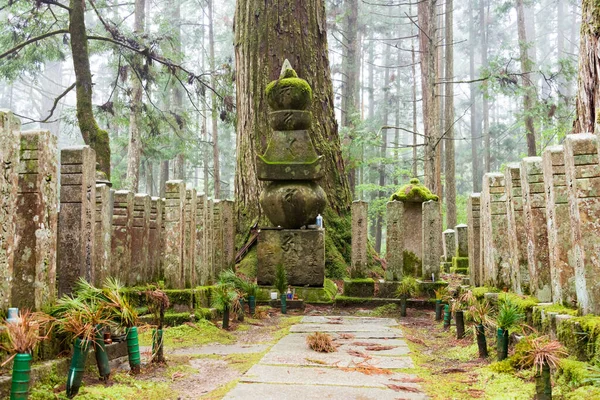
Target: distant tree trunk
<point>475,132</point>
<point>92,135</point>
<point>528,87</point>
<point>383,151</point>
<point>397,104</point>
<point>485,110</point>
<point>149,178</point>
<point>134,149</point>
<point>351,82</point>
<point>261,46</point>
<point>588,89</point>
<point>164,177</point>
<point>215,110</point>
<point>427,12</point>
<point>449,172</point>
<point>177,91</point>
<point>415,170</point>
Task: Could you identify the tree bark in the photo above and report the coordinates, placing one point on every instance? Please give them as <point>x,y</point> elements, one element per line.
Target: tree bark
<point>266,33</point>
<point>383,150</point>
<point>92,135</point>
<point>475,127</point>
<point>415,170</point>
<point>485,110</point>
<point>427,12</point>
<point>449,172</point>
<point>588,90</point>
<point>215,110</point>
<point>134,149</point>
<point>526,83</point>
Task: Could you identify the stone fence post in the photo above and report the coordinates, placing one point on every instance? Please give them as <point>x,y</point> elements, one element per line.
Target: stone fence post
<point>189,244</point>
<point>155,238</point>
<point>474,224</point>
<point>140,240</point>
<point>432,240</point>
<point>174,230</point>
<point>517,239</point>
<point>394,241</point>
<point>228,223</point>
<point>217,237</point>
<point>102,233</point>
<point>122,225</point>
<point>200,259</point>
<point>360,224</point>
<point>34,264</point>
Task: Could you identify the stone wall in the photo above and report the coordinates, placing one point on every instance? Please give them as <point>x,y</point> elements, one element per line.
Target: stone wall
<point>517,239</point>
<point>474,231</point>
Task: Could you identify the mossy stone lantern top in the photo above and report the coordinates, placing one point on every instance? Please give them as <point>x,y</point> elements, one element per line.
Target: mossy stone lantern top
<point>414,192</point>
<point>293,198</point>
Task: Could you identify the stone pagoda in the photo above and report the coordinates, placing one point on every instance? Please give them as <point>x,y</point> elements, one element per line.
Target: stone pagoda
<point>292,199</point>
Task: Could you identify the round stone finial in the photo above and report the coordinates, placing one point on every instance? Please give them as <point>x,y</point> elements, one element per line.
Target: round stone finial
<point>288,92</point>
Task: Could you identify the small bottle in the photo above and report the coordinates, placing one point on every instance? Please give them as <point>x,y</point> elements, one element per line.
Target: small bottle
<point>319,221</point>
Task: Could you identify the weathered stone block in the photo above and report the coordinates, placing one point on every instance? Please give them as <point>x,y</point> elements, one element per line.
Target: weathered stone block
<point>140,240</point>
<point>413,217</point>
<point>494,225</point>
<point>155,238</point>
<point>559,233</point>
<point>202,269</point>
<point>449,244</point>
<point>364,287</point>
<point>302,252</point>
<point>517,239</point>
<point>534,218</point>
<point>432,243</point>
<point>34,263</point>
<point>360,225</point>
<point>462,240</point>
<point>584,213</point>
<point>228,223</point>
<point>209,240</point>
<point>173,235</point>
<point>395,241</point>
<point>217,240</point>
<point>460,265</point>
<point>9,156</point>
<point>474,230</point>
<point>122,224</point>
<point>387,290</point>
<point>189,238</point>
<point>102,232</point>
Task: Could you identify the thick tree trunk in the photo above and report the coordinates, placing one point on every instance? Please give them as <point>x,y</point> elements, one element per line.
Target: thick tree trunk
<point>526,83</point>
<point>449,171</point>
<point>92,135</point>
<point>383,150</point>
<point>177,90</point>
<point>134,149</point>
<point>475,127</point>
<point>266,33</point>
<point>415,170</point>
<point>588,89</point>
<point>215,110</point>
<point>427,11</point>
<point>485,111</point>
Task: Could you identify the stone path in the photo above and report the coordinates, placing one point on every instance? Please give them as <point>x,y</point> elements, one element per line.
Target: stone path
<point>291,370</point>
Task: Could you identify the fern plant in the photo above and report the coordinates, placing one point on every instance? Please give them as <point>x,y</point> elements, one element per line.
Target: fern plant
<point>280,282</point>
<point>407,287</point>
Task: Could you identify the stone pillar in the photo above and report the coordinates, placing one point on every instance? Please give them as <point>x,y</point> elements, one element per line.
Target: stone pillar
<point>122,225</point>
<point>174,231</point>
<point>76,219</point>
<point>155,238</point>
<point>9,180</point>
<point>34,263</point>
<point>559,231</point>
<point>140,240</point>
<point>462,240</point>
<point>534,215</point>
<point>394,241</point>
<point>200,260</point>
<point>449,246</point>
<point>102,233</point>
<point>432,240</point>
<point>209,240</point>
<point>360,224</point>
<point>583,181</point>
<point>217,237</point>
<point>473,224</point>
<point>494,225</point>
<point>517,239</point>
<point>228,224</point>
<point>189,244</point>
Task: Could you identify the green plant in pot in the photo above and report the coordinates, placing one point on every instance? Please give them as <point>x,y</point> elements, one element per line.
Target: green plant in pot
<point>441,296</point>
<point>462,303</point>
<point>123,312</point>
<point>79,320</point>
<point>479,313</point>
<point>407,288</point>
<point>542,354</point>
<point>251,290</point>
<point>158,302</point>
<point>224,299</point>
<point>281,284</point>
<point>23,337</point>
<point>509,315</point>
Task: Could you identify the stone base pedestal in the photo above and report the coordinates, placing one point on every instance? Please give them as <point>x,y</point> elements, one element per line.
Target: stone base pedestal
<point>301,251</point>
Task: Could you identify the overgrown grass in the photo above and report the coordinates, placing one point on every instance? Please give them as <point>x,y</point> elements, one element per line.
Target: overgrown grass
<point>127,387</point>
<point>188,335</point>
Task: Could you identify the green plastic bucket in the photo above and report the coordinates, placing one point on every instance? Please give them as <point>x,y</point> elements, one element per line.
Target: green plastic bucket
<point>403,307</point>
<point>438,310</point>
<point>251,305</point>
<point>447,316</point>
<point>226,318</point>
<point>101,355</point>
<point>502,344</point>
<point>21,374</point>
<point>77,367</point>
<point>133,350</point>
<point>481,341</point>
<point>284,303</point>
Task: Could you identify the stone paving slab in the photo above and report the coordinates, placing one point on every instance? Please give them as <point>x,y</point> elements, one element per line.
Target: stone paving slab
<point>315,319</point>
<point>337,359</point>
<point>268,391</point>
<point>297,342</point>
<point>341,328</point>
<point>223,349</point>
<point>324,376</point>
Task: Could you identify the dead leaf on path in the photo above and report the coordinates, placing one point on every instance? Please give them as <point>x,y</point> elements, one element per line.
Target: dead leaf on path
<point>402,388</point>
<point>357,353</point>
<point>346,336</point>
<point>410,379</point>
<point>364,344</point>
<point>177,375</point>
<point>415,340</point>
<point>315,361</point>
<point>451,371</point>
<point>367,370</point>
<point>379,348</point>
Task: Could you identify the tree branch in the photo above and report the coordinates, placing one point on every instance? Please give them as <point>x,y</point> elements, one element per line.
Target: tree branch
<point>32,40</point>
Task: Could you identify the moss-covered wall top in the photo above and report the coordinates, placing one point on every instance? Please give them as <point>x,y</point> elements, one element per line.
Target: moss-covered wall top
<point>414,192</point>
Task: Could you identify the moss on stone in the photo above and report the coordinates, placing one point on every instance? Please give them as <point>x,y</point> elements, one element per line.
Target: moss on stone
<point>289,93</point>
<point>572,373</point>
<point>412,264</point>
<point>359,287</point>
<point>460,265</point>
<point>479,292</point>
<point>338,232</point>
<point>249,264</point>
<point>414,192</point>
<point>428,288</point>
